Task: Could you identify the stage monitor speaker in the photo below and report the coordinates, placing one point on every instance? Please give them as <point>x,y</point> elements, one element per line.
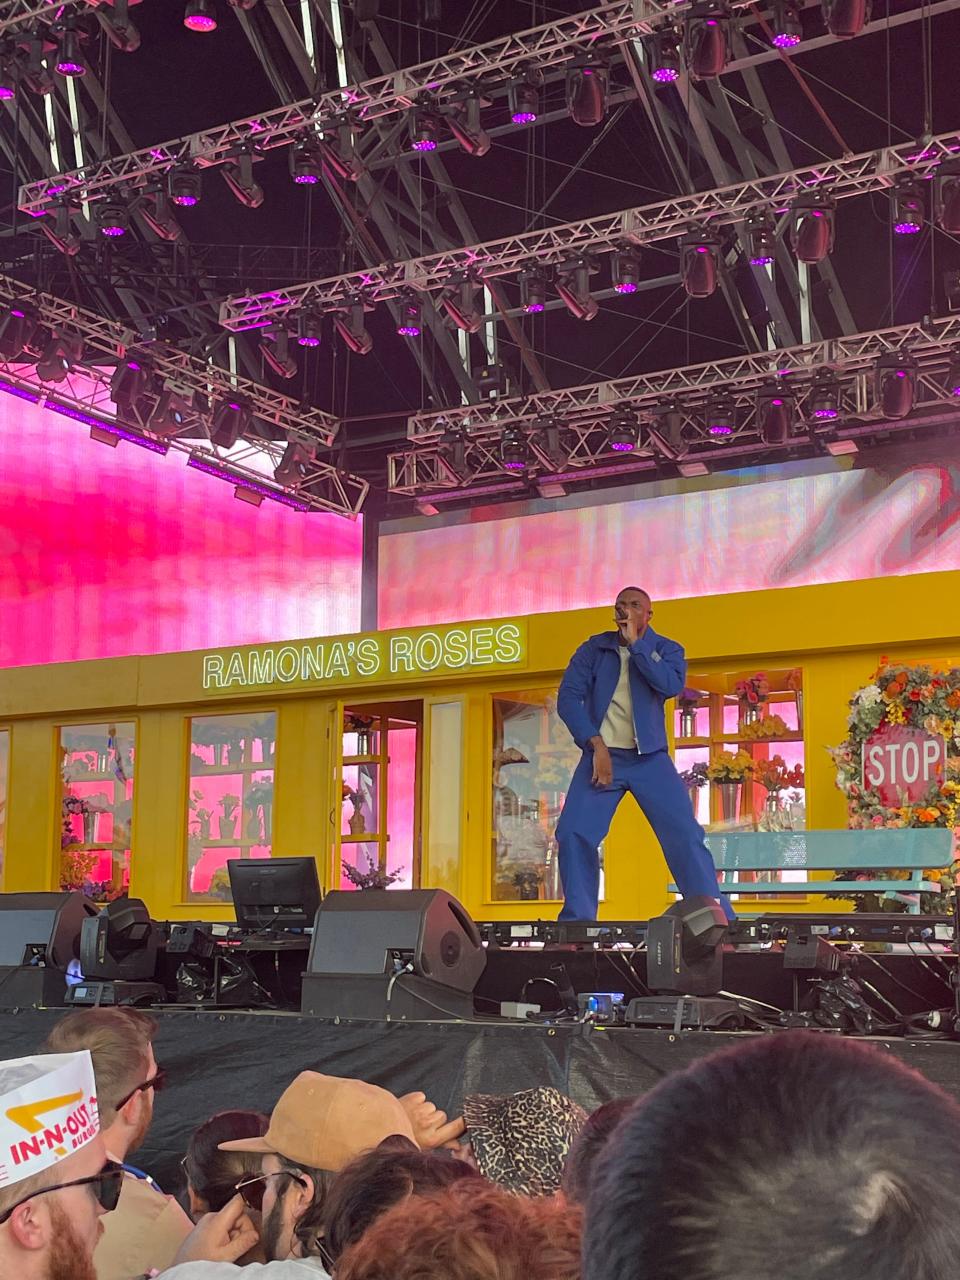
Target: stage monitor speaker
<point>394,955</point>
<point>39,940</point>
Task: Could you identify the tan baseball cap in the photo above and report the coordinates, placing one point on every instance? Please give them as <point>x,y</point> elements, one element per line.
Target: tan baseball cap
<point>324,1122</point>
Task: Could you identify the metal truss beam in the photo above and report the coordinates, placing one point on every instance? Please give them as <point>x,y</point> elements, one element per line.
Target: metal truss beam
<point>18,13</point>
<point>723,206</point>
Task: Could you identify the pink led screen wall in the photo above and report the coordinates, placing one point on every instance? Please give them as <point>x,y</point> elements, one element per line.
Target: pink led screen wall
<point>747,535</point>
<point>105,552</point>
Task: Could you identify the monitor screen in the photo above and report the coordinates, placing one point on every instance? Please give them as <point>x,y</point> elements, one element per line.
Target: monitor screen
<point>274,893</point>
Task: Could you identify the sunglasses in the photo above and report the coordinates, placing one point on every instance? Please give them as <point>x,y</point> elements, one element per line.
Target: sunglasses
<point>156,1083</point>
<point>106,1186</point>
<point>251,1189</point>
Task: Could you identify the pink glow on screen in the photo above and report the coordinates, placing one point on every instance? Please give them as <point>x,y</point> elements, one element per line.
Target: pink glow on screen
<point>106,552</point>
<point>781,532</point>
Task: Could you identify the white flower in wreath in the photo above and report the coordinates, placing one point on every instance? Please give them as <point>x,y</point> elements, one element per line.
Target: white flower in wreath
<point>869,695</point>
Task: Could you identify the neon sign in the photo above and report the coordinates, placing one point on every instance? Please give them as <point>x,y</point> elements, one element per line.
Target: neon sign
<point>388,655</point>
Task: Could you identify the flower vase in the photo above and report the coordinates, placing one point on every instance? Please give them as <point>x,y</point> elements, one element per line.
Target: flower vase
<point>694,794</point>
<point>749,713</point>
<point>363,742</point>
<point>227,828</point>
<point>103,762</point>
<point>357,823</point>
<point>729,793</point>
<point>772,817</point>
<point>688,722</point>
<point>799,696</point>
<point>90,828</point>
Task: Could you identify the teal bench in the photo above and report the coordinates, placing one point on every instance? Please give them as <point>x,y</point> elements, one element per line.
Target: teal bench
<point>905,849</point>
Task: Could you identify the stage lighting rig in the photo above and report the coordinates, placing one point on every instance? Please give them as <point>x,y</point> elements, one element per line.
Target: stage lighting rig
<point>18,329</point>
<point>231,420</point>
<point>113,220</point>
<point>308,328</point>
<point>58,358</point>
<point>705,37</point>
<point>721,418</point>
<point>58,228</point>
<point>665,55</point>
<point>625,269</point>
<point>454,444</point>
<point>200,15</point>
<point>70,61</point>
<point>306,163</point>
<point>130,381</point>
<point>464,123</point>
<point>121,32</point>
<point>37,75</point>
<point>664,433</point>
<point>337,149</point>
<point>573,288</point>
<point>169,417</point>
<point>846,18</point>
<point>534,282</point>
<point>774,408</point>
<point>238,175</point>
<point>275,349</point>
<point>294,467</point>
<point>351,328</point>
<point>762,240</point>
<point>699,263</point>
<point>947,196</point>
<point>896,383</point>
<point>424,130</point>
<point>409,316</point>
<point>823,403</point>
<point>907,207</point>
<point>157,213</point>
<point>524,97</point>
<point>812,230</point>
<point>786,31</point>
<point>184,187</point>
<point>623,432</point>
<point>458,300</point>
<point>514,450</point>
<point>587,90</point>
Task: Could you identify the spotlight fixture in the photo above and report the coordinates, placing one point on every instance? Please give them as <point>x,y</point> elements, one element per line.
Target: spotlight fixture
<point>721,418</point>
<point>823,403</point>
<point>184,188</point>
<point>294,467</point>
<point>623,432</point>
<point>812,229</point>
<point>337,149</point>
<point>762,239</point>
<point>349,324</point>
<point>587,91</point>
<point>36,72</point>
<point>846,18</point>
<point>113,221</point>
<point>774,414</point>
<point>59,356</point>
<point>200,15</point>
<point>70,61</point>
<point>424,130</point>
<point>953,373</point>
<point>525,99</point>
<point>785,25</point>
<point>665,55</point>
<point>306,166</point>
<point>308,328</point>
<point>130,379</point>
<point>947,197</point>
<point>18,327</point>
<point>573,288</point>
<point>699,263</point>
<point>454,442</point>
<point>705,39</point>
<point>275,349</point>
<point>465,126</point>
<point>231,420</point>
<point>458,300</point>
<point>908,207</point>
<point>115,20</point>
<point>410,316</point>
<point>665,432</point>
<point>238,175</point>
<point>58,228</point>
<point>896,382</point>
<point>533,288</point>
<point>514,451</point>
<point>156,211</point>
<point>170,415</point>
<point>625,270</point>
<point>9,70</point>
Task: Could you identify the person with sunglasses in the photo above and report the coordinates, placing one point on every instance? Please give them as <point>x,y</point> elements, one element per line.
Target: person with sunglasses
<point>147,1230</point>
<point>56,1182</point>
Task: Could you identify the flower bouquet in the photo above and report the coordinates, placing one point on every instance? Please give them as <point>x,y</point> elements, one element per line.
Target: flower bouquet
<point>770,727</point>
<point>774,775</point>
<point>373,877</point>
<point>696,776</point>
<point>728,770</point>
<point>751,694</point>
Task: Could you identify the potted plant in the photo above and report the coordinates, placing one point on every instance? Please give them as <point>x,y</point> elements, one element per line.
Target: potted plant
<point>728,771</point>
<point>258,803</point>
<point>693,779</point>
<point>201,814</point>
<point>264,727</point>
<point>356,821</point>
<point>752,694</point>
<point>373,877</point>
<point>227,824</point>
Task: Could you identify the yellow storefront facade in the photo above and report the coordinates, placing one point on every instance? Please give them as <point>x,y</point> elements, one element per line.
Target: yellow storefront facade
<point>436,748</point>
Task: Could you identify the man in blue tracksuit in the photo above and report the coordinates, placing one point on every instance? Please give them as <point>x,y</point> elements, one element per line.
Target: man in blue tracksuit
<point>612,700</point>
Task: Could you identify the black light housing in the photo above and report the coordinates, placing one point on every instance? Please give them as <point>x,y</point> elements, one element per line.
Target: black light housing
<point>664,433</point>
<point>665,55</point>
<point>775,406</point>
<point>812,229</point>
<point>58,228</point>
<point>275,349</point>
<point>157,211</point>
<point>587,91</point>
<point>705,39</point>
<point>200,15</point>
<point>466,127</point>
<point>823,403</point>
<point>623,432</point>
<point>458,300</point>
<point>908,207</point>
<point>184,188</point>
<point>115,20</point>
<point>762,240</point>
<point>409,315</point>
<point>130,380</point>
<point>786,31</point>
<point>18,326</point>
<point>350,326</point>
<point>238,175</point>
<point>720,418</point>
<point>58,358</point>
<point>534,282</point>
<point>573,288</point>
<point>231,420</point>
<point>525,98</point>
<point>113,219</point>
<point>338,150</point>
<point>896,383</point>
<point>699,263</point>
<point>846,18</point>
<point>424,130</point>
<point>953,373</point>
<point>947,197</point>
<point>169,416</point>
<point>294,467</point>
<point>308,328</point>
<point>514,450</point>
<point>684,948</point>
<point>69,60</point>
<point>625,269</point>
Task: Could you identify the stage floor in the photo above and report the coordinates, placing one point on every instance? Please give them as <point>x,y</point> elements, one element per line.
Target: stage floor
<point>218,1060</point>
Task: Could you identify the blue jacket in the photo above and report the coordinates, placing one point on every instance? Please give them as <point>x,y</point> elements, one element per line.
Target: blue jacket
<point>658,671</point>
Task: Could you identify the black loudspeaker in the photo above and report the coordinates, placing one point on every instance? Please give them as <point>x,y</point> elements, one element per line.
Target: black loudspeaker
<point>393,955</point>
<point>39,939</point>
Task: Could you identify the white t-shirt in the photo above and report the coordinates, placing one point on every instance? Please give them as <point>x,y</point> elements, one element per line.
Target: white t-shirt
<point>286,1269</point>
<point>618,729</point>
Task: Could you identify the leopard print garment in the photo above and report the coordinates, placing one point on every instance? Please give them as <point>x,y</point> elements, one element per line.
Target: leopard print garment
<point>521,1141</point>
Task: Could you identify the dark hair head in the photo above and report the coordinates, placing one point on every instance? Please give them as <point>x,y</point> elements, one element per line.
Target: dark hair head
<point>639,591</point>
<point>309,1227</point>
<point>796,1156</point>
<point>589,1142</point>
<point>213,1174</point>
<point>376,1181</point>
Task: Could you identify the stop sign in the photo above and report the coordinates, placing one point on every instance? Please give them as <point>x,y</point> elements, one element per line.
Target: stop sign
<point>902,764</point>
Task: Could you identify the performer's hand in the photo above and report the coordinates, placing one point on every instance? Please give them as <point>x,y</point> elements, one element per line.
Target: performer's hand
<point>602,764</point>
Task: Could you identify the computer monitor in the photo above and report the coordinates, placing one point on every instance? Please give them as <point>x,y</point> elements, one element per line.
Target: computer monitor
<point>274,893</point>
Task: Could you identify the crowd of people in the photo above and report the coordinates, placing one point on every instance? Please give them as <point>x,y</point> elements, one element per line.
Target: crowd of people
<point>790,1155</point>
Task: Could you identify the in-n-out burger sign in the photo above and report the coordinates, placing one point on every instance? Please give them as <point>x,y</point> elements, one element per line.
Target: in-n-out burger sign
<point>901,765</point>
<point>388,655</point>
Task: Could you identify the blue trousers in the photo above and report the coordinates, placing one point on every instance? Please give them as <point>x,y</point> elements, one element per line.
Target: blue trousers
<point>654,783</point>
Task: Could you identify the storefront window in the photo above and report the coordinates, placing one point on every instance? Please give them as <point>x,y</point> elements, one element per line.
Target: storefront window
<point>96,808</point>
<point>445,780</point>
<point>379,815</point>
<point>4,767</point>
<point>230,806</point>
<point>533,760</point>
